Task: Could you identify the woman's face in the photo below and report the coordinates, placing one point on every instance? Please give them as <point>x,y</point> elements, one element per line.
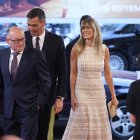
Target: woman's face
<point>87,31</point>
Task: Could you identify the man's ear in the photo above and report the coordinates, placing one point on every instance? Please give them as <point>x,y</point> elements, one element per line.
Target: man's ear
<point>43,23</point>
<point>7,41</point>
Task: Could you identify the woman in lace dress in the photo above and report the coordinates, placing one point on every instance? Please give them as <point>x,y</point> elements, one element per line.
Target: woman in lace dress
<point>89,58</point>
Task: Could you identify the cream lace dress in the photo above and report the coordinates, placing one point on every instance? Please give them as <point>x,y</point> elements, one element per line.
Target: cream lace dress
<point>90,120</point>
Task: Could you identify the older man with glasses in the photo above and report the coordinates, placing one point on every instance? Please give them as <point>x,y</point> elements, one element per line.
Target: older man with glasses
<point>24,82</point>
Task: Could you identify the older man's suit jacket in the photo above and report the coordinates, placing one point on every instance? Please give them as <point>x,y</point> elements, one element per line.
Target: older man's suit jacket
<point>55,54</point>
<point>32,82</point>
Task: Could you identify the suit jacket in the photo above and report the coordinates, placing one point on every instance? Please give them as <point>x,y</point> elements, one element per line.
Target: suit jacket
<point>55,54</point>
<point>133,103</point>
<point>31,84</point>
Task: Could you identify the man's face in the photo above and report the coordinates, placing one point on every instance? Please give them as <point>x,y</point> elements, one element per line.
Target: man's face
<point>36,26</point>
<point>16,40</point>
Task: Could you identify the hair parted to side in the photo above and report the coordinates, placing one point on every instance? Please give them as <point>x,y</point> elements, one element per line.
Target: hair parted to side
<point>97,40</point>
<point>36,12</point>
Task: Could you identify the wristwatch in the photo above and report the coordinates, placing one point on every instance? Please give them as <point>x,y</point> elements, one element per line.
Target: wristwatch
<point>61,98</point>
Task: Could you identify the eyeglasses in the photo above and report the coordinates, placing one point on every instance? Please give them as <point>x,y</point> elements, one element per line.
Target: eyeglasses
<point>17,41</point>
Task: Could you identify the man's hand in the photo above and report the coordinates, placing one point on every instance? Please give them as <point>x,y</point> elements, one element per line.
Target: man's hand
<point>58,106</point>
<point>133,118</point>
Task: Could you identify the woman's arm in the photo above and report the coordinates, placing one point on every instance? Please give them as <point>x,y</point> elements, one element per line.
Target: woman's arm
<point>108,77</point>
<point>73,76</point>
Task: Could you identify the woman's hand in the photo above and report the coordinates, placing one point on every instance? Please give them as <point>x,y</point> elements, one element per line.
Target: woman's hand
<point>114,101</point>
<point>73,102</point>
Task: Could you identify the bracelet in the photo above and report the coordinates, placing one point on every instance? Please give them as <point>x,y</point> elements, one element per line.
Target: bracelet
<point>61,98</point>
<point>113,96</point>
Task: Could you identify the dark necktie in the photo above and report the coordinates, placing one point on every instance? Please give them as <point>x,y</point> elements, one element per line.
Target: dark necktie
<point>37,46</point>
<point>14,65</point>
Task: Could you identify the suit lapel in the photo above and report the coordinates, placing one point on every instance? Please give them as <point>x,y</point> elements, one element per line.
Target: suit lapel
<point>22,64</point>
<point>46,42</point>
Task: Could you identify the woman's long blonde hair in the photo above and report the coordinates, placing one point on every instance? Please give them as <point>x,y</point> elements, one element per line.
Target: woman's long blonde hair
<point>97,41</point>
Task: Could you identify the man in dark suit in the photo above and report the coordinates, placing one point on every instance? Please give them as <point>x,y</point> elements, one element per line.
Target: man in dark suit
<point>133,102</point>
<point>53,46</point>
<point>25,83</point>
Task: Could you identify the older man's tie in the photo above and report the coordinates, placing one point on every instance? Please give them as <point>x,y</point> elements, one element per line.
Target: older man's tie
<point>14,65</point>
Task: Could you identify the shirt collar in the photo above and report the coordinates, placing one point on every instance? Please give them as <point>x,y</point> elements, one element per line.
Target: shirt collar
<point>41,37</point>
<point>14,51</point>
